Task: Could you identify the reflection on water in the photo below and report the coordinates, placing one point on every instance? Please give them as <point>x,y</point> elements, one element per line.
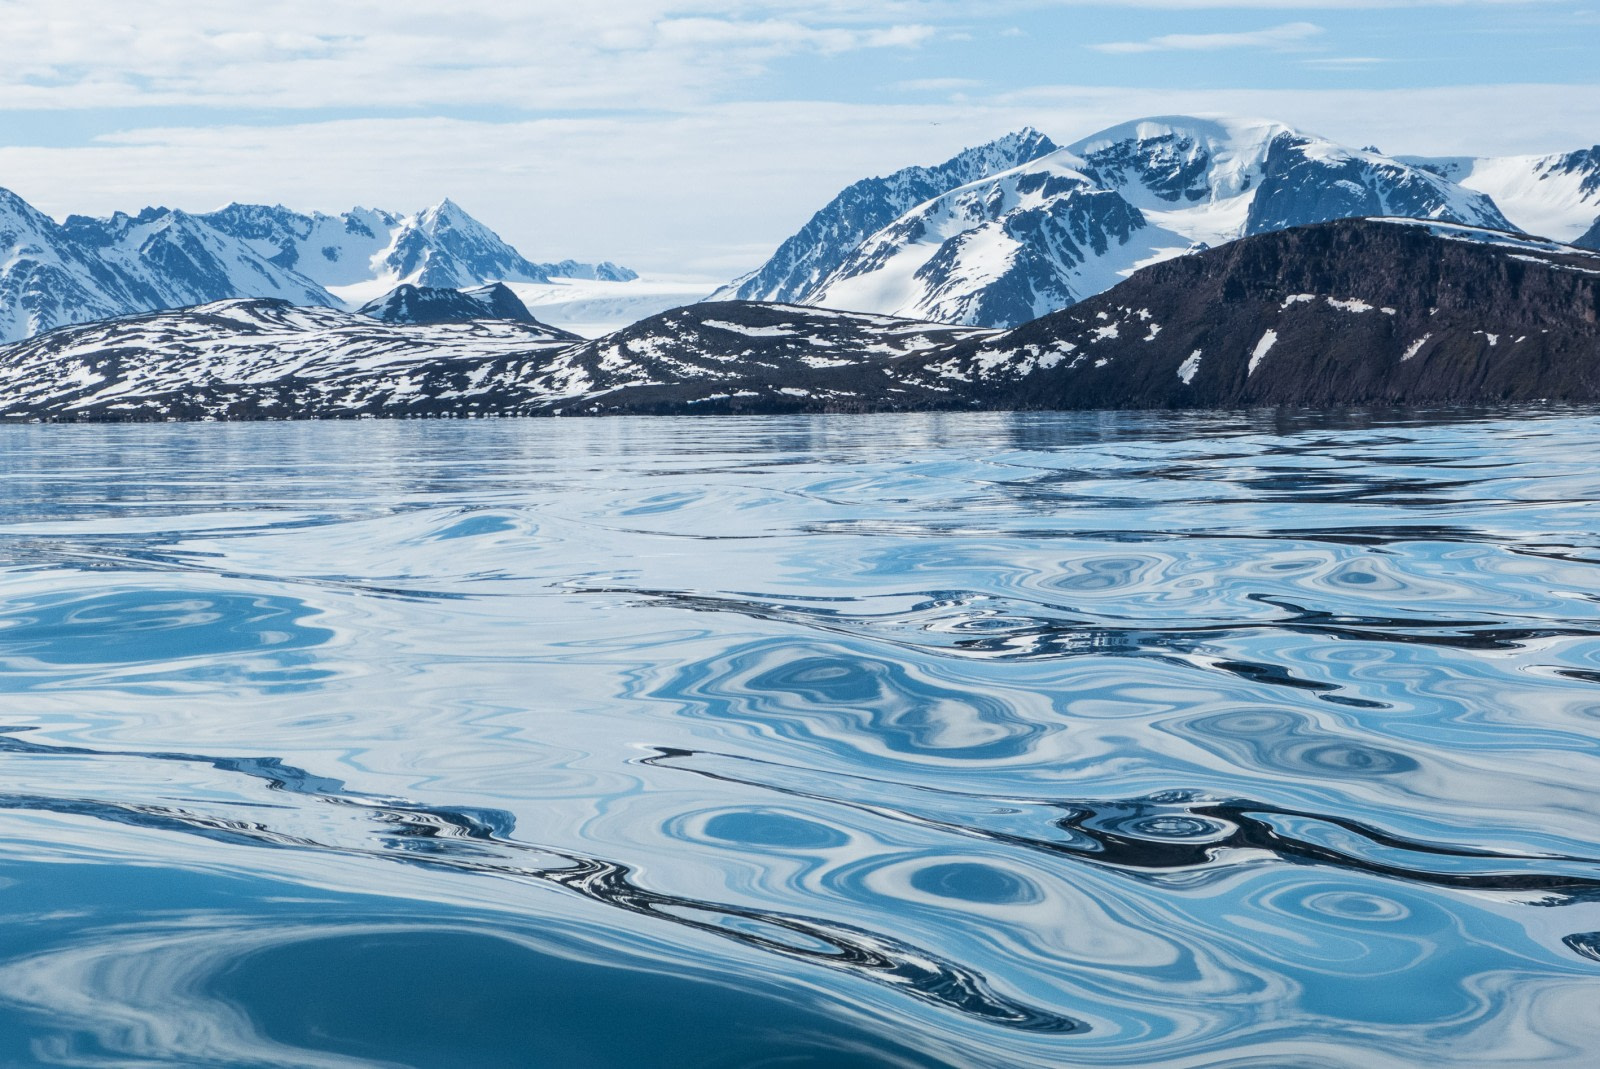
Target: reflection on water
<point>928,741</point>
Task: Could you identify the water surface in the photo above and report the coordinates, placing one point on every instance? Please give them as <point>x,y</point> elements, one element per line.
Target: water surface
<point>993,741</point>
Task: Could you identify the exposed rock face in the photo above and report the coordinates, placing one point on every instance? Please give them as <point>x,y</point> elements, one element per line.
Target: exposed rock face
<point>428,304</point>
<point>1344,313</point>
<point>1590,239</point>
<point>739,356</point>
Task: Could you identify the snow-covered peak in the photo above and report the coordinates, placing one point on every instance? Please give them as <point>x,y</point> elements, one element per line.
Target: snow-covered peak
<point>1016,241</point>
<point>1556,196</point>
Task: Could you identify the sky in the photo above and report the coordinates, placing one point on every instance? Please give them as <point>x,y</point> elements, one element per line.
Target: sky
<point>689,137</point>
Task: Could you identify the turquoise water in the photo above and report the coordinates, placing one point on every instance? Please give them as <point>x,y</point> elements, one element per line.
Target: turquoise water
<point>1092,740</point>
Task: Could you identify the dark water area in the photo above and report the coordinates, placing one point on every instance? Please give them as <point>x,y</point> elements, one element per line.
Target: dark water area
<point>991,741</point>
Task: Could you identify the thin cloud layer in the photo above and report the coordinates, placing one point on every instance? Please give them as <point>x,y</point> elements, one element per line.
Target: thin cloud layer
<point>1289,35</point>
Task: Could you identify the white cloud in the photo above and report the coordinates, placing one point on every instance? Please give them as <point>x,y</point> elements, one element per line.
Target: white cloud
<point>363,53</point>
<point>697,190</point>
<point>1342,63</point>
<point>1278,38</point>
<point>936,85</point>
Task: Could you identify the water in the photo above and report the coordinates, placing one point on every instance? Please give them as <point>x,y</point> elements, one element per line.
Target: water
<point>928,741</point>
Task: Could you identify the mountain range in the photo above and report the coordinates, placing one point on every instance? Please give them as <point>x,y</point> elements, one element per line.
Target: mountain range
<point>84,269</point>
<point>1021,227</point>
<point>1361,311</point>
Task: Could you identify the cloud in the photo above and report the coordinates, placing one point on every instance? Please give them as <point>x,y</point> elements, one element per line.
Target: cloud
<point>694,191</point>
<point>1278,38</point>
<point>78,54</point>
<point>1342,63</point>
<point>936,85</point>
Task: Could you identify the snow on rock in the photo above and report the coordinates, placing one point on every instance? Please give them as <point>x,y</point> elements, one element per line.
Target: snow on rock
<point>1187,369</point>
<point>1263,347</point>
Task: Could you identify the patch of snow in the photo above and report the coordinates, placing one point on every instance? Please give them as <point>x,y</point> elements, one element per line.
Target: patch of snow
<point>752,332</point>
<point>1352,305</point>
<point>1414,348</point>
<point>1186,370</point>
<point>1263,347</point>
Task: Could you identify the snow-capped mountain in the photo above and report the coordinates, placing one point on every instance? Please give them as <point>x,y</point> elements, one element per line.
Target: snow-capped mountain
<point>177,260</point>
<point>440,247</point>
<point>1063,225</point>
<point>48,280</point>
<point>88,268</point>
<point>426,304</point>
<point>999,251</point>
<point>1555,196</point>
<point>802,262</point>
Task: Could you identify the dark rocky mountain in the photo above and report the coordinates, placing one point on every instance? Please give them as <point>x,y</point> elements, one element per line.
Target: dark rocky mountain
<point>1352,312</point>
<point>741,356</point>
<point>429,304</point>
<point>804,261</point>
<point>1591,238</point>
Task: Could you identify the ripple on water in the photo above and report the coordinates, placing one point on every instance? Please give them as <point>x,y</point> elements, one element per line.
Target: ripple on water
<point>992,741</point>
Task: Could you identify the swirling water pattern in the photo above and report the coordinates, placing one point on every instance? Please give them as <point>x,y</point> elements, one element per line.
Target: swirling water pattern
<point>991,741</point>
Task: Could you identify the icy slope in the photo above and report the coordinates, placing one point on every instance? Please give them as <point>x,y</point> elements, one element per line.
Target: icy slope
<point>1554,196</point>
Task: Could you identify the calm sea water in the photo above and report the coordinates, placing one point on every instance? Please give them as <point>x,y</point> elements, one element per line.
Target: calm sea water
<point>989,741</point>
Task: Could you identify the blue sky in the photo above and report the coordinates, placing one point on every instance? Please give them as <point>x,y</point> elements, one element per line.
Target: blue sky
<point>692,135</point>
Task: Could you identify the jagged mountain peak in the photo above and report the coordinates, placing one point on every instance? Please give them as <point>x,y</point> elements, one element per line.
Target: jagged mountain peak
<point>91,268</point>
<point>805,261</point>
<point>1006,244</point>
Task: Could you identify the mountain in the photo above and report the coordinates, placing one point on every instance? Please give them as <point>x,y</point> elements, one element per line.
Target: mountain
<point>267,359</point>
<point>1066,224</point>
<point>1351,312</point>
<point>802,262</point>
<point>440,247</point>
<point>605,271</point>
<point>89,268</point>
<point>738,356</point>
<point>1590,239</point>
<point>1554,196</point>
<point>176,260</point>
<point>427,305</point>
<point>47,279</point>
